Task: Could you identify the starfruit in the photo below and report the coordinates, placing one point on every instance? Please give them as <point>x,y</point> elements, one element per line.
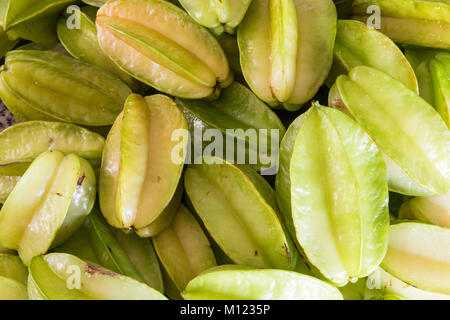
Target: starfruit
<point>412,136</point>
<point>126,254</point>
<point>434,75</point>
<point>7,184</point>
<point>415,22</point>
<point>23,142</point>
<point>48,204</point>
<point>184,249</point>
<point>95,3</point>
<point>59,276</point>
<point>347,211</point>
<point>218,15</point>
<point>419,254</point>
<point>357,44</point>
<point>142,162</point>
<point>389,286</point>
<point>161,45</point>
<point>240,119</point>
<point>433,209</point>
<point>30,19</point>
<point>44,85</point>
<point>244,283</point>
<point>286,49</point>
<point>238,208</point>
<point>82,44</point>
<point>13,278</point>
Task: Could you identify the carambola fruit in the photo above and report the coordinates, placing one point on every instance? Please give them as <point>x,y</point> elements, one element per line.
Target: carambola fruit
<point>183,249</point>
<point>45,85</point>
<point>286,49</point>
<point>142,162</point>
<point>48,204</point>
<point>244,283</point>
<point>412,136</point>
<point>24,142</point>
<point>219,15</point>
<point>59,276</point>
<point>332,186</point>
<point>419,254</point>
<point>423,23</point>
<point>161,45</point>
<point>238,208</point>
<point>432,209</point>
<point>13,278</point>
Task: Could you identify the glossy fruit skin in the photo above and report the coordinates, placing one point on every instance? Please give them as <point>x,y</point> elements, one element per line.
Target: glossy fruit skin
<point>357,44</point>
<point>433,209</point>
<point>13,278</point>
<point>218,15</point>
<point>183,249</point>
<point>67,90</point>
<point>234,282</point>
<point>415,148</point>
<point>419,254</point>
<point>286,49</point>
<point>60,192</point>
<point>52,275</point>
<point>222,195</point>
<point>23,142</point>
<point>350,205</point>
<point>412,22</point>
<point>159,44</point>
<point>140,144</point>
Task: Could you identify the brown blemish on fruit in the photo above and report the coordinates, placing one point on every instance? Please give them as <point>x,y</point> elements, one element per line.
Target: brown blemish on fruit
<point>256,253</point>
<point>90,269</point>
<point>80,180</point>
<point>59,194</point>
<point>158,179</point>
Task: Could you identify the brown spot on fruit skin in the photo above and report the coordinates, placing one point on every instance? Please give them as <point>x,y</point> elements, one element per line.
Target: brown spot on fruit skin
<point>158,179</point>
<point>80,180</point>
<point>90,269</point>
<point>59,194</point>
<point>256,253</point>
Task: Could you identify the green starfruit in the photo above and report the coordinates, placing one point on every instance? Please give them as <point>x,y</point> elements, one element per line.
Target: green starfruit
<point>161,45</point>
<point>332,186</point>
<point>412,136</point>
<point>23,142</point>
<point>415,22</point>
<point>243,283</point>
<point>59,276</point>
<point>432,209</point>
<point>286,49</point>
<point>238,208</point>
<point>357,44</point>
<point>13,278</point>
<point>419,254</point>
<point>142,162</point>
<point>48,204</point>
<point>219,15</point>
<point>184,249</point>
<point>45,85</point>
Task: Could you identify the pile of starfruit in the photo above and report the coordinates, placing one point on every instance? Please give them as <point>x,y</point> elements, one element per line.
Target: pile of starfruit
<point>225,149</point>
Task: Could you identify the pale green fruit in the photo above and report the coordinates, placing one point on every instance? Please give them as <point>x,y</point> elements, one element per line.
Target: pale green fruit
<point>142,162</point>
<point>415,147</point>
<point>13,278</point>
<point>389,286</point>
<point>48,204</point>
<point>238,208</point>
<point>243,283</point>
<point>433,209</point>
<point>59,276</point>
<point>161,45</point>
<point>219,15</point>
<point>184,249</point>
<point>7,184</point>
<point>357,44</point>
<point>414,22</point>
<point>23,142</point>
<point>419,254</point>
<point>45,85</point>
<point>341,223</point>
<point>82,44</point>
<point>286,49</point>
